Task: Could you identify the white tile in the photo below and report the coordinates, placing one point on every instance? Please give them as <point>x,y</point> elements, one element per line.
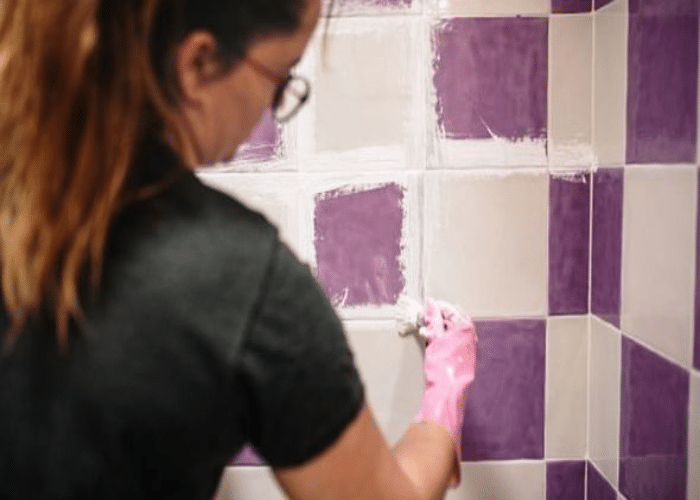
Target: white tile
<point>610,83</point>
<point>366,104</point>
<point>492,7</point>
<point>249,483</point>
<point>500,481</point>
<point>570,90</point>
<point>391,368</point>
<point>658,255</point>
<point>604,399</point>
<point>275,195</point>
<point>486,241</point>
<point>566,387</point>
<point>694,438</point>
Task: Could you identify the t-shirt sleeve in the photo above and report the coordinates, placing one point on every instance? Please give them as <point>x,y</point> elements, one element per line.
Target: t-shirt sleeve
<point>303,388</point>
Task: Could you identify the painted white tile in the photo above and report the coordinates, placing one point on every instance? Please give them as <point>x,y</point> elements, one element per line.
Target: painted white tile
<point>492,7</point>
<point>570,90</point>
<point>486,241</point>
<point>500,481</point>
<point>566,387</point>
<point>694,438</point>
<point>610,83</point>
<point>658,255</point>
<point>604,399</point>
<point>275,195</point>
<point>391,368</point>
<point>249,483</point>
<point>366,104</point>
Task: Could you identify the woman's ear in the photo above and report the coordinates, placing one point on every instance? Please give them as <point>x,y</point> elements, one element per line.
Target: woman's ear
<point>196,65</point>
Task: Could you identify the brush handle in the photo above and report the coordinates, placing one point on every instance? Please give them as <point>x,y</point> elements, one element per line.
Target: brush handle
<point>450,366</point>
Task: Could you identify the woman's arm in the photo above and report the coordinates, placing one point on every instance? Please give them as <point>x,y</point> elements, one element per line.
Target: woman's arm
<point>360,465</point>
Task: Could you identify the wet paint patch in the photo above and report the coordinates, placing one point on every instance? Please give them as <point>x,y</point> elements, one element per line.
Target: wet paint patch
<point>358,243</point>
<point>491,78</point>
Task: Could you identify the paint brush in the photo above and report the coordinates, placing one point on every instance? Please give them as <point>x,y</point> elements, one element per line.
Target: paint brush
<point>410,319</point>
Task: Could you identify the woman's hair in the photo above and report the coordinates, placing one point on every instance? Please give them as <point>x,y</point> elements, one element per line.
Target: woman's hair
<point>83,84</point>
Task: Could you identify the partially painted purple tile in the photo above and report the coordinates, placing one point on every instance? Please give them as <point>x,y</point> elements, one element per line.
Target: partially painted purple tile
<point>696,357</point>
<point>247,456</point>
<point>569,229</point>
<point>601,3</point>
<point>662,86</point>
<point>598,487</point>
<point>566,480</point>
<point>341,7</point>
<point>654,400</point>
<point>606,253</point>
<point>491,77</point>
<point>504,413</point>
<point>358,241</point>
<point>571,6</point>
<point>263,143</point>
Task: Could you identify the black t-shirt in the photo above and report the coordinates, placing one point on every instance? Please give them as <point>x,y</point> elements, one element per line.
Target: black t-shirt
<point>207,333</point>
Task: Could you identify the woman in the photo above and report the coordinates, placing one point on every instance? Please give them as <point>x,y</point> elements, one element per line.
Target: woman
<point>152,326</point>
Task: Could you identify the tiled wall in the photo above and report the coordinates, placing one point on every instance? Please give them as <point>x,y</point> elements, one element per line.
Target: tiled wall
<point>535,163</point>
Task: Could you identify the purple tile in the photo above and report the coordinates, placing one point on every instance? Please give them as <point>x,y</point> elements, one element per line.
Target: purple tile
<point>598,487</point>
<point>247,456</point>
<point>566,480</point>
<point>606,253</point>
<point>696,357</point>
<point>663,7</point>
<point>653,477</point>
<point>601,3</point>
<point>263,143</point>
<point>571,6</point>
<point>654,400</point>
<point>569,229</point>
<point>491,77</point>
<point>662,88</point>
<point>504,413</point>
<point>358,245</point>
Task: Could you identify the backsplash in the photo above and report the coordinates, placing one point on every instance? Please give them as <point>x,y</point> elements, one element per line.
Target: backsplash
<point>534,162</point>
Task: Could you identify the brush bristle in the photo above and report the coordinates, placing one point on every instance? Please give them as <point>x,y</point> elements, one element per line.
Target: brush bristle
<point>409,317</point>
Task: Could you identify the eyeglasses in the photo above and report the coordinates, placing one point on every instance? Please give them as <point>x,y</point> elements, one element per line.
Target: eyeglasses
<point>292,91</point>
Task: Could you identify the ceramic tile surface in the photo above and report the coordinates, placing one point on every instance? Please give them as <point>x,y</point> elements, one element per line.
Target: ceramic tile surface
<point>610,85</point>
<point>653,425</point>
<point>571,89</point>
<point>604,403</point>
<point>249,483</point>
<point>694,438</point>
<point>571,6</point>
<point>606,244</point>
<point>566,387</point>
<point>493,7</point>
<point>362,97</point>
<point>391,368</point>
<point>569,224</point>
<point>598,487</point>
<point>499,481</point>
<point>264,142</point>
<point>491,78</point>
<point>566,480</point>
<point>495,265</point>
<point>504,412</point>
<point>658,277</point>
<point>662,85</point>
<point>358,241</point>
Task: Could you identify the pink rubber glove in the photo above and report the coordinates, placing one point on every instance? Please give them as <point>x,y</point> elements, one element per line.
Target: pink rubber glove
<point>450,365</point>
